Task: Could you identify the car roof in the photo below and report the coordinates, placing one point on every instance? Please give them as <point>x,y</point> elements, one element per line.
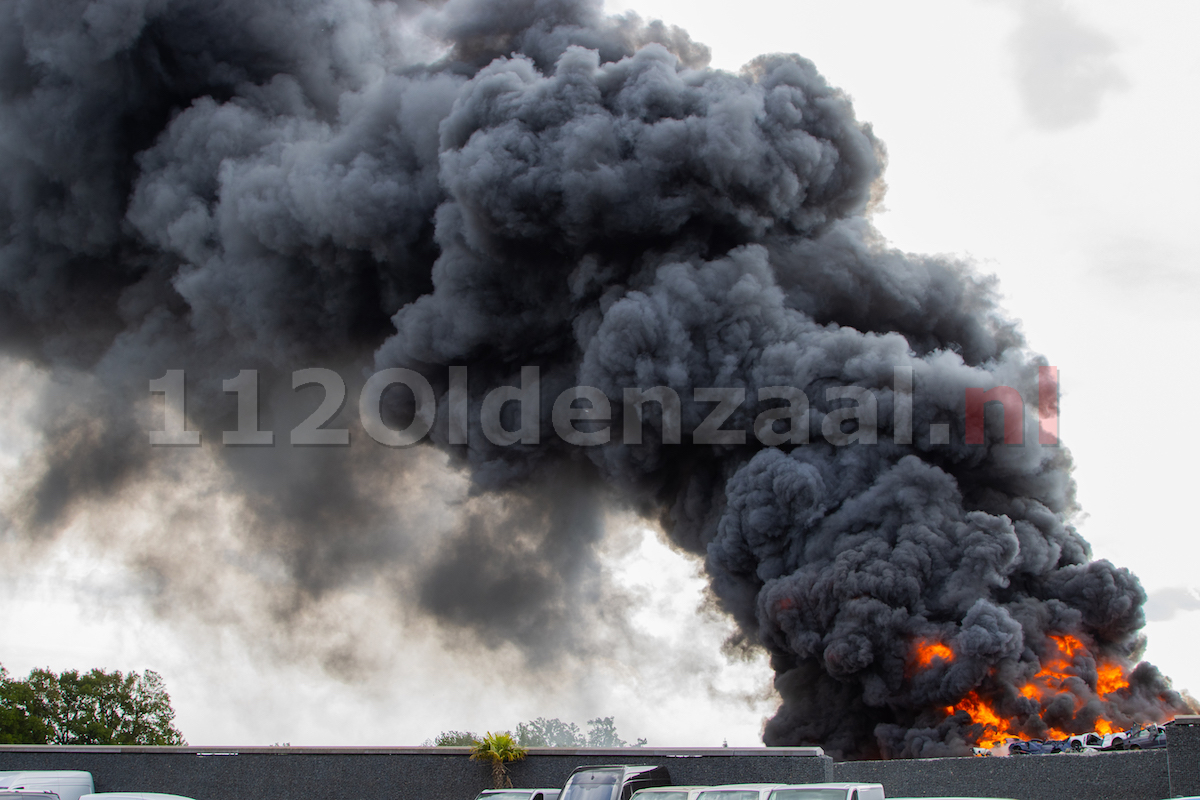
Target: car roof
<point>519,789</point>
<point>662,789</point>
<point>840,785</point>
<point>487,792</point>
<point>630,769</point>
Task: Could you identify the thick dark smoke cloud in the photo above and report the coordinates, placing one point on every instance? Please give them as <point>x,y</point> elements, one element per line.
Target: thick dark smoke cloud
<point>358,185</point>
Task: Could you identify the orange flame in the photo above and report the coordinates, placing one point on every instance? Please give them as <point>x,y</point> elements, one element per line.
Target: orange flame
<point>1057,668</point>
<point>928,652</point>
<point>1110,678</point>
<point>995,728</point>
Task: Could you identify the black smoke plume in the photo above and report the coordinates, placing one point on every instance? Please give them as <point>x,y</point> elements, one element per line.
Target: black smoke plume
<point>219,185</point>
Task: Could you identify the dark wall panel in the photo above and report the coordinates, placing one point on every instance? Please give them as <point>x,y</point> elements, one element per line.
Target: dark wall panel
<point>1183,741</point>
<point>1099,776</point>
<point>298,773</point>
<point>442,773</point>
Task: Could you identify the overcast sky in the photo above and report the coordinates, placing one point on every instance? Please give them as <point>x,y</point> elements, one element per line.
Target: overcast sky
<point>1050,143</point>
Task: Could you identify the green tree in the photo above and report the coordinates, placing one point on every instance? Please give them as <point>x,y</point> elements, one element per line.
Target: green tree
<point>21,721</point>
<point>453,739</point>
<point>543,732</point>
<point>498,749</point>
<point>95,707</point>
<point>602,732</point>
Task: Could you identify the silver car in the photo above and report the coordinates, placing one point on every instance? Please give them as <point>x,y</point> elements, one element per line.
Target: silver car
<point>669,793</point>
<point>829,791</point>
<point>518,794</point>
<point>738,791</point>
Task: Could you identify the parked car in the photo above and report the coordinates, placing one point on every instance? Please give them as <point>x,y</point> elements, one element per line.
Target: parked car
<point>133,796</point>
<point>1115,741</point>
<point>612,781</point>
<point>1035,747</point>
<point>21,794</point>
<point>739,791</point>
<point>518,794</point>
<point>1147,737</point>
<point>1100,741</point>
<point>1081,741</point>
<point>829,791</point>
<point>669,793</point>
<point>68,784</point>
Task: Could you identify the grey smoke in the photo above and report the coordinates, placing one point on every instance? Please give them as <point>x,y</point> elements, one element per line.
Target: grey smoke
<point>1164,604</point>
<point>282,184</point>
<point>1064,66</point>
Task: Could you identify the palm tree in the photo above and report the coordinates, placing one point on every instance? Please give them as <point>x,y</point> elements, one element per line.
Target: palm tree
<point>498,749</point>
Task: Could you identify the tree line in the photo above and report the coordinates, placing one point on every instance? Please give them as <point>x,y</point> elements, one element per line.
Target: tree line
<point>499,749</point>
<point>542,732</point>
<point>95,707</point>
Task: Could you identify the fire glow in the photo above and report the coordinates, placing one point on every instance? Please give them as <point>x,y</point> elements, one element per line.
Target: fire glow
<point>1062,671</point>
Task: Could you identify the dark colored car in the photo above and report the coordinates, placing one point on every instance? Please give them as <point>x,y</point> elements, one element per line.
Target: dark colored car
<point>1035,747</point>
<point>612,781</point>
<point>1147,738</point>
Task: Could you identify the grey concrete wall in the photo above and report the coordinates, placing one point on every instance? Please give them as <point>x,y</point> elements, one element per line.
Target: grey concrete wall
<point>1099,776</point>
<point>442,773</point>
<point>1183,744</point>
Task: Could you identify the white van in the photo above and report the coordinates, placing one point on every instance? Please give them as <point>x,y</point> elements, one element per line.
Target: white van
<point>20,794</point>
<point>829,791</point>
<point>133,796</point>
<point>739,791</point>
<point>68,784</point>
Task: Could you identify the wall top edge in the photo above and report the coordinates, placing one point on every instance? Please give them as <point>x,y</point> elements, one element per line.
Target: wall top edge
<point>624,754</point>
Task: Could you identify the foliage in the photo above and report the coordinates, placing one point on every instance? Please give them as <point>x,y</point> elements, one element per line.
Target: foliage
<point>543,732</point>
<point>602,732</point>
<point>454,739</point>
<point>96,707</point>
<point>17,724</point>
<point>498,749</point>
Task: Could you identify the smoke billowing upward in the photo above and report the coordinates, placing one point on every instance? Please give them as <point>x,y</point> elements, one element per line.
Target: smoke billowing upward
<point>362,185</point>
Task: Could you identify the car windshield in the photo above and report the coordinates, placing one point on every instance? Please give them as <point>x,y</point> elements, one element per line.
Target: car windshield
<point>593,785</point>
<point>504,796</point>
<point>809,794</point>
<point>644,795</point>
<point>729,794</point>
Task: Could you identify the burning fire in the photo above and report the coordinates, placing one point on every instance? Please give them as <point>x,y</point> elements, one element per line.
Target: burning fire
<point>1110,678</point>
<point>995,728</point>
<point>1057,668</point>
<point>928,652</point>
